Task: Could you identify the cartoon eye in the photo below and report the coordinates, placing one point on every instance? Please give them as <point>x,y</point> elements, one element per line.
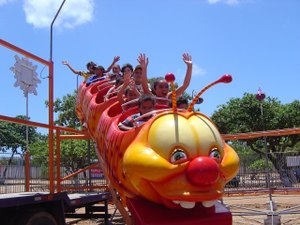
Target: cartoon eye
<point>215,154</point>
<point>178,156</point>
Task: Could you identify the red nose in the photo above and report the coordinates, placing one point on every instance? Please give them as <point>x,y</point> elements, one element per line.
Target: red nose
<point>203,171</point>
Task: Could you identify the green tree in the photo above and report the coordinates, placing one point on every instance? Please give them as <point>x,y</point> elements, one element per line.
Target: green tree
<point>39,153</point>
<point>13,138</point>
<point>65,109</point>
<point>74,153</point>
<point>247,157</point>
<point>247,114</point>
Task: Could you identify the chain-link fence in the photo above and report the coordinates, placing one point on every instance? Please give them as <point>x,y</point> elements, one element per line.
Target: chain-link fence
<point>283,174</point>
<point>280,171</point>
<point>12,177</point>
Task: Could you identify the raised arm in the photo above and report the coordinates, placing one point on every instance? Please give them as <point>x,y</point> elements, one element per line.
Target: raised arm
<point>66,63</point>
<point>187,59</point>
<point>123,87</point>
<point>143,61</point>
<point>138,94</point>
<point>116,59</point>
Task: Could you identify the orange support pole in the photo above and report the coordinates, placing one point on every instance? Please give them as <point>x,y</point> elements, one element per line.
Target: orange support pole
<point>27,171</point>
<point>23,52</point>
<point>58,178</point>
<point>80,170</point>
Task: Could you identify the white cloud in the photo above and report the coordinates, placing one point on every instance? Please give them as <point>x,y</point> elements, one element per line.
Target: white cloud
<point>40,13</point>
<point>197,70</point>
<point>3,2</point>
<point>228,2</point>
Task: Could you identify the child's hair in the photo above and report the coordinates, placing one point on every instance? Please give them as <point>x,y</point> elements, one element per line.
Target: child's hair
<point>156,82</point>
<point>144,98</point>
<point>99,68</point>
<point>91,63</point>
<point>125,66</point>
<point>138,67</point>
<point>182,100</point>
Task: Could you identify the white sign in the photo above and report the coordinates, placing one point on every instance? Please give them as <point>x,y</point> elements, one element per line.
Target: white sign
<point>26,76</point>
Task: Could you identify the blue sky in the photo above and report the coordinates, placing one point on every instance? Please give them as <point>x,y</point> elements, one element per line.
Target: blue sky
<point>257,41</point>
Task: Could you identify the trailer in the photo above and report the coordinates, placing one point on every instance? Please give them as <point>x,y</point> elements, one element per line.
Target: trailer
<point>44,208</point>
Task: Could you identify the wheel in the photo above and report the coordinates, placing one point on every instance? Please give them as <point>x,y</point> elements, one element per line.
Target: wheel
<point>38,218</point>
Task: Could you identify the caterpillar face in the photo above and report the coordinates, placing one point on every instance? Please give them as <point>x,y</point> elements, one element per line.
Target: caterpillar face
<point>179,160</point>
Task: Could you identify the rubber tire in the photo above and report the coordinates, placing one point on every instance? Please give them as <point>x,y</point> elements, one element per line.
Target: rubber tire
<point>39,218</point>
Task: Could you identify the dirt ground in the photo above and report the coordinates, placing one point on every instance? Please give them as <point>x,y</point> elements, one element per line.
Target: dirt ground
<point>246,210</point>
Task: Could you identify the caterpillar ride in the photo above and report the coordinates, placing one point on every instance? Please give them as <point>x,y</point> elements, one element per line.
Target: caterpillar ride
<point>170,170</point>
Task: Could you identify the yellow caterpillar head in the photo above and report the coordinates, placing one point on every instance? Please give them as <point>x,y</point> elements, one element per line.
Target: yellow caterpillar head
<point>180,159</point>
